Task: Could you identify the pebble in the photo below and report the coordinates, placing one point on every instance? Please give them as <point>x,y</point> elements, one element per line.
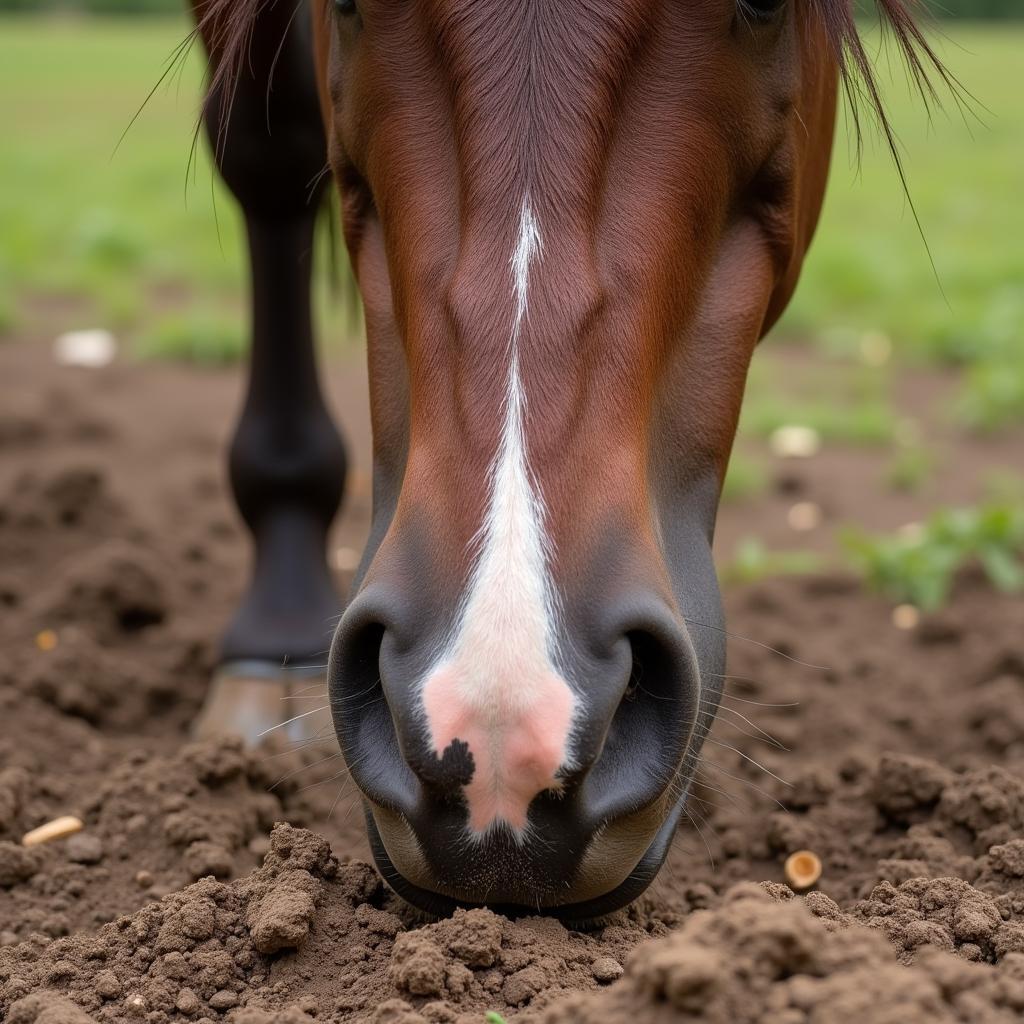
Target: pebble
<point>187,1002</point>
<point>135,1005</point>
<point>223,1000</point>
<point>905,616</point>
<point>46,640</point>
<point>144,879</point>
<point>804,516</point>
<point>91,348</point>
<point>795,441</point>
<point>84,849</point>
<point>605,969</point>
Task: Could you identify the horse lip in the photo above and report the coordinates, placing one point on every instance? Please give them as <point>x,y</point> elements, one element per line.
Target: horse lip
<point>583,915</point>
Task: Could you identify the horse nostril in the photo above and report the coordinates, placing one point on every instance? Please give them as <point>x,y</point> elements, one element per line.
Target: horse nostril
<point>650,727</point>
<point>363,718</point>
<point>655,696</point>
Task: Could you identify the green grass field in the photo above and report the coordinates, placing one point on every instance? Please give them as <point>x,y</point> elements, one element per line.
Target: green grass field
<point>78,218</point>
<point>158,253</point>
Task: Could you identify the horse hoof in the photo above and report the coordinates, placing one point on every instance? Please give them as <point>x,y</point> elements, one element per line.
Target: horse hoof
<point>257,700</point>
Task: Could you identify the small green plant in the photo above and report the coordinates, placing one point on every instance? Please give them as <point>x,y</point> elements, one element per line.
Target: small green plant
<point>993,394</point>
<point>492,1017</point>
<point>743,479</point>
<point>917,566</point>
<point>752,561</point>
<point>910,469</point>
<point>206,339</point>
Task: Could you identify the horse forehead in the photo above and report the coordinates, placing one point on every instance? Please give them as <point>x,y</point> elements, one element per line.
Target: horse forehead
<point>535,59</point>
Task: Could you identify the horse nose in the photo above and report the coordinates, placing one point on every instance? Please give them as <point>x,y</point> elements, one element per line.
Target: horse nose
<point>592,729</point>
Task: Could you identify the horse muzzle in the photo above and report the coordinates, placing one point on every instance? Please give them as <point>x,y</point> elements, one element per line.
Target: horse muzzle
<point>497,777</point>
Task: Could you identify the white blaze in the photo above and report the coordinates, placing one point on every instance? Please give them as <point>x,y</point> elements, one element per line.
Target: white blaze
<point>497,687</point>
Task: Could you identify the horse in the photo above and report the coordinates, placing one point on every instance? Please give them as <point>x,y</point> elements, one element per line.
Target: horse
<point>570,224</point>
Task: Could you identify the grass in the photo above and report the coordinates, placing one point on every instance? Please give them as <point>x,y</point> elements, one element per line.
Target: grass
<point>200,337</point>
<point>869,268</point>
<point>918,566</point>
<point>79,218</point>
<point>122,223</point>
<point>752,561</point>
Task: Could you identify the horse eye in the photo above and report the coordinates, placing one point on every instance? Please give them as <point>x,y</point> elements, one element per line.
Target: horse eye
<point>345,6</point>
<point>759,11</point>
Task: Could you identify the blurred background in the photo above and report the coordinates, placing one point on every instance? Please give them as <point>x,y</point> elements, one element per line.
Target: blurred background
<point>884,421</point>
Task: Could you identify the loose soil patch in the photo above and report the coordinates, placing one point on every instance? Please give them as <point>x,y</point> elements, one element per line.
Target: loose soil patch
<point>899,764</point>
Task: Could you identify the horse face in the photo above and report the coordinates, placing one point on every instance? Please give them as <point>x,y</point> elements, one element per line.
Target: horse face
<point>570,223</point>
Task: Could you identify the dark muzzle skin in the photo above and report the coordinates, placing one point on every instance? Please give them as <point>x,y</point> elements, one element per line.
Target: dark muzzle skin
<point>647,683</point>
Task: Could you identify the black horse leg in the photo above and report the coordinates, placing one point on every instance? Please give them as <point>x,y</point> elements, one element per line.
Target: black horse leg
<point>287,460</point>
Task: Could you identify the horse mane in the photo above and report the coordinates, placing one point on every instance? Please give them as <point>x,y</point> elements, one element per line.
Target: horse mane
<point>227,25</point>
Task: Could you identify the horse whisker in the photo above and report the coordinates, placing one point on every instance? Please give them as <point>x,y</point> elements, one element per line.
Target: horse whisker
<point>703,838</point>
<point>732,798</point>
<point>302,768</point>
<point>331,778</point>
<point>760,703</point>
<point>766,736</point>
<point>281,725</point>
<point>745,782</point>
<point>320,736</point>
<point>747,757</point>
<point>758,643</point>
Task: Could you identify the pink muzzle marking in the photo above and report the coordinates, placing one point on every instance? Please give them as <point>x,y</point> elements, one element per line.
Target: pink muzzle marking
<point>517,729</point>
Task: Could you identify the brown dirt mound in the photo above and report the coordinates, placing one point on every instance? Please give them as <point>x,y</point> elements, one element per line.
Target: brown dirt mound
<point>306,937</point>
<point>901,766</point>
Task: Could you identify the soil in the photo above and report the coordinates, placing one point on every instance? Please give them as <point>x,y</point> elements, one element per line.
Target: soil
<point>212,883</point>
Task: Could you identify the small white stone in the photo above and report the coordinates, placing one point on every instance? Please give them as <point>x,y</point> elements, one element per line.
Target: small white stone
<point>135,1005</point>
<point>91,348</point>
<point>905,616</point>
<point>804,516</point>
<point>795,441</point>
<point>911,532</point>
